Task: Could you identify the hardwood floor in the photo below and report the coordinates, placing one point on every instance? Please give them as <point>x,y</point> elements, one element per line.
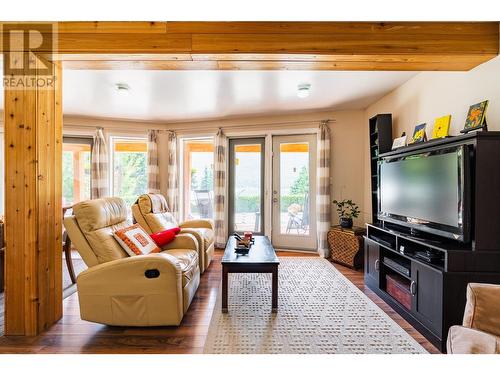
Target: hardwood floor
<point>72,335</point>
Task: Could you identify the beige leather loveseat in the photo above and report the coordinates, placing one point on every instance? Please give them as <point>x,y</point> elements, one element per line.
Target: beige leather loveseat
<point>145,290</point>
<point>480,332</point>
<point>151,212</point>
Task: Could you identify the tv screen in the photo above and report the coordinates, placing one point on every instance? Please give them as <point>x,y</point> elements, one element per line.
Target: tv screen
<point>425,191</point>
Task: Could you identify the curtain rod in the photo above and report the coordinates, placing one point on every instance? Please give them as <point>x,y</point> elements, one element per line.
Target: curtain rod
<point>206,127</point>
<point>235,126</point>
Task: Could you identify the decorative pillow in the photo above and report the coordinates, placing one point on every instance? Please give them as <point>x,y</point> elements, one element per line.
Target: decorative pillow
<point>135,241</point>
<point>165,237</point>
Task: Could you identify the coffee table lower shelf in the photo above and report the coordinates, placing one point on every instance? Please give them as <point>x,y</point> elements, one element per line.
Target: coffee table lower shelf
<point>250,268</point>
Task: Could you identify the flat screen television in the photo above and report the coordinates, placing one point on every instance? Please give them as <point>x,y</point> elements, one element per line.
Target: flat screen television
<point>427,192</point>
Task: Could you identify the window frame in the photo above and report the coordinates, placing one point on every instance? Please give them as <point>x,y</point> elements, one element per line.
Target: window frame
<point>81,140</point>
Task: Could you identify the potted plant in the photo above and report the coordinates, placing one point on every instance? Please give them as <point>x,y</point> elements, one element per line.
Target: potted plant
<point>347,210</point>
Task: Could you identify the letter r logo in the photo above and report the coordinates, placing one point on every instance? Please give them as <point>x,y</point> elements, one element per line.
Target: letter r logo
<point>27,46</point>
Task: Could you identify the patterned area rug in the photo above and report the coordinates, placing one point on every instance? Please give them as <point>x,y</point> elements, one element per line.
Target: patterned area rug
<point>319,311</point>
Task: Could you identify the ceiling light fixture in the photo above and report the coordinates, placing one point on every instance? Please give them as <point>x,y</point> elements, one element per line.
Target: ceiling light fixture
<point>303,90</point>
<point>122,88</point>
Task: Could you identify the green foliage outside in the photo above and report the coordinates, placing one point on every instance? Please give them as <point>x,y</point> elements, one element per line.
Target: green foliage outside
<point>298,190</point>
<point>301,184</point>
<point>194,179</point>
<point>130,175</point>
<point>250,203</point>
<point>68,177</point>
<point>67,173</point>
<point>207,179</point>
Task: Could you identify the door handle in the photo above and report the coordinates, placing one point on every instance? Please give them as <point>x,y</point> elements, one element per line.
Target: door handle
<point>413,287</point>
<point>377,264</point>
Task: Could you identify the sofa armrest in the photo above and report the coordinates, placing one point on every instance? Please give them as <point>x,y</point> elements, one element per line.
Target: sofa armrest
<point>201,223</point>
<point>463,340</point>
<point>183,241</point>
<point>482,310</point>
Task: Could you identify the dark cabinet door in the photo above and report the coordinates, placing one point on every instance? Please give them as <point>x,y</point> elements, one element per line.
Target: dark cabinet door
<point>427,296</point>
<point>372,262</point>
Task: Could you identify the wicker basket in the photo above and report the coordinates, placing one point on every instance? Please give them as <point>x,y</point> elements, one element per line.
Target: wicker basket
<point>346,246</point>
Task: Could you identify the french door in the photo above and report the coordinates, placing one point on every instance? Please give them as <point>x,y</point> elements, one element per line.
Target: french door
<point>246,185</point>
<point>294,192</point>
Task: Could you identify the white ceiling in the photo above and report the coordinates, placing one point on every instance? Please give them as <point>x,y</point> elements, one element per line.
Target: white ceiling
<point>191,95</point>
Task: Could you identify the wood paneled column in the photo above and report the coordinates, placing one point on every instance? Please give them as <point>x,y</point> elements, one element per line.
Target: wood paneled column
<point>33,183</point>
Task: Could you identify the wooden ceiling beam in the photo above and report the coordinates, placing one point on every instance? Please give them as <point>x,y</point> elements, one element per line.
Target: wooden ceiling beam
<point>278,45</point>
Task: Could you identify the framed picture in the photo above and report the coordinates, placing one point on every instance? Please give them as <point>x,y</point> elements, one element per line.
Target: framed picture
<point>441,127</point>
<point>399,142</point>
<point>476,117</point>
<point>419,134</point>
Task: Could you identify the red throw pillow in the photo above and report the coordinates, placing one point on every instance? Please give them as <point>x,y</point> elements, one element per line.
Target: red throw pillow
<point>165,237</point>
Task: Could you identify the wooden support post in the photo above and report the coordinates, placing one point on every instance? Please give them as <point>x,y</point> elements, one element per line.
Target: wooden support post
<point>33,183</point>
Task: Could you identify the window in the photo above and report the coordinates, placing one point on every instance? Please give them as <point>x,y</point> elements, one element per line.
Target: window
<point>198,178</point>
<point>129,165</point>
<point>76,170</point>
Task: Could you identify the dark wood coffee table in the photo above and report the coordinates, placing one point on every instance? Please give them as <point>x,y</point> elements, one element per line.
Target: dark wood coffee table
<point>260,259</point>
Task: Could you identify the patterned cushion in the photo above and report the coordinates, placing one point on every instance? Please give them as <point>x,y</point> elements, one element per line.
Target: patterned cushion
<point>135,241</point>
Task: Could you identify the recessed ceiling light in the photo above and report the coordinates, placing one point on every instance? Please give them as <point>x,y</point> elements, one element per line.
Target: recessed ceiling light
<point>122,88</point>
<point>303,90</point>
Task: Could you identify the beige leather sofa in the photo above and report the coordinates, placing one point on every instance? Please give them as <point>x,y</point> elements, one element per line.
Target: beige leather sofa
<point>145,290</point>
<point>480,332</point>
<point>152,213</point>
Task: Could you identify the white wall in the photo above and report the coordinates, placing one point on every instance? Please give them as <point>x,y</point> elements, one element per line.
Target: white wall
<point>430,95</point>
<point>346,143</point>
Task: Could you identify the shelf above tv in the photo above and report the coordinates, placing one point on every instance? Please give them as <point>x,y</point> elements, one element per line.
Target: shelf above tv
<point>442,141</point>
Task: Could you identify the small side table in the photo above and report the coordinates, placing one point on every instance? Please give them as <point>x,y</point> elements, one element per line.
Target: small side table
<point>346,245</point>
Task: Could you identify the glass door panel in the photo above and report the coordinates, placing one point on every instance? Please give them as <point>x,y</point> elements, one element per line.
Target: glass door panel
<point>294,186</point>
<point>246,188</point>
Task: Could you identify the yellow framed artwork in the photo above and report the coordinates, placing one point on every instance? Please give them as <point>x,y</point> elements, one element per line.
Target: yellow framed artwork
<point>441,127</point>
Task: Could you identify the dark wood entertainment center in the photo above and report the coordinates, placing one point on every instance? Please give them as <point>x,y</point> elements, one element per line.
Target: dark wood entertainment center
<point>431,296</point>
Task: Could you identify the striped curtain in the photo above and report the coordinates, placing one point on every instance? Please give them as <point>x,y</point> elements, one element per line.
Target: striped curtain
<point>99,169</point>
<point>172,176</point>
<point>220,183</point>
<point>323,189</point>
<point>153,169</point>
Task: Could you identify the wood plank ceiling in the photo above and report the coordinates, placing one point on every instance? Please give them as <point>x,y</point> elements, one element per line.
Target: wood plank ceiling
<point>394,46</point>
